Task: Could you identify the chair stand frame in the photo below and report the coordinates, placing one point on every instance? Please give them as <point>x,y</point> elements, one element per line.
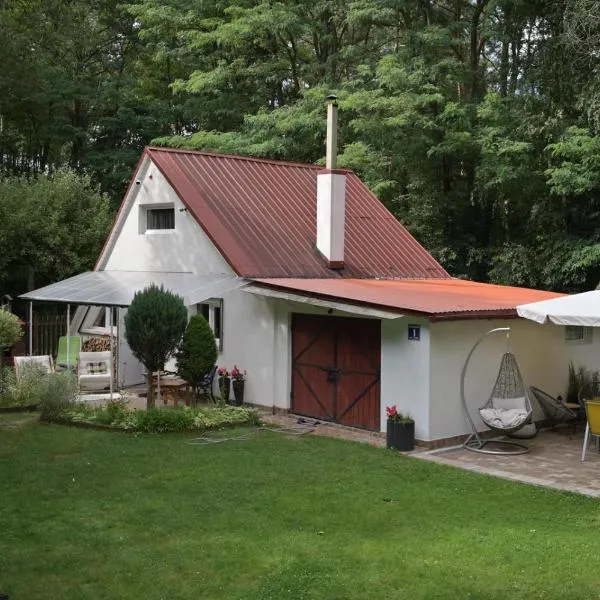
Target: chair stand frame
<point>474,442</point>
<point>508,448</point>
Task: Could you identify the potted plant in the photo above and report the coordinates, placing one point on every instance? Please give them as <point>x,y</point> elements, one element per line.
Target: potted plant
<point>238,379</point>
<point>224,383</point>
<point>400,430</point>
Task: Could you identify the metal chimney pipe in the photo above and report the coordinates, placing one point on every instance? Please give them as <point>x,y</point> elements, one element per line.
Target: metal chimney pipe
<point>332,125</point>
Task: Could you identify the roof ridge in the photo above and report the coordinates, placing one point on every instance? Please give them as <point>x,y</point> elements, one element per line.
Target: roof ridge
<point>270,161</point>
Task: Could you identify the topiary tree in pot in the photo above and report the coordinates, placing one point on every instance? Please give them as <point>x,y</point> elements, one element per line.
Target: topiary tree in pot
<point>154,325</point>
<point>197,355</point>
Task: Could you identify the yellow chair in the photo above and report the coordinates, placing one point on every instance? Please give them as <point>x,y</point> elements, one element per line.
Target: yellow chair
<point>592,411</point>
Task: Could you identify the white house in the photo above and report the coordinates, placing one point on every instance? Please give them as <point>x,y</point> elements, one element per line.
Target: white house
<point>313,287</point>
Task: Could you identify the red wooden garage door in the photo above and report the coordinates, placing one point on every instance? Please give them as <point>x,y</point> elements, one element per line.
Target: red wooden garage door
<point>336,369</point>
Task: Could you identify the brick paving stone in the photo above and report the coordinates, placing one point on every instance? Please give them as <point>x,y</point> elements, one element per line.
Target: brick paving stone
<point>326,429</point>
<point>554,461</point>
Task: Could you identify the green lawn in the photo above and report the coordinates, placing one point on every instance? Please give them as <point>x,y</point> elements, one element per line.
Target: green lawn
<point>103,515</point>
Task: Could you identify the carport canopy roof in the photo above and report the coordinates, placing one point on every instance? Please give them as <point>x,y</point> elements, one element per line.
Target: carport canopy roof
<point>117,288</point>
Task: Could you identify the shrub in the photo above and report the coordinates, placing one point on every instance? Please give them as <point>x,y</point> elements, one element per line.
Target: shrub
<point>8,383</point>
<point>56,393</point>
<point>579,378</point>
<point>154,325</point>
<point>156,420</point>
<point>27,391</point>
<point>198,354</point>
<point>10,328</point>
<point>116,413</point>
<point>160,421</point>
<point>115,410</point>
<point>10,331</point>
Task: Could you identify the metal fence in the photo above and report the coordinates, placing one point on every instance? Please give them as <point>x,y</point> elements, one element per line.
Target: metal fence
<point>46,329</point>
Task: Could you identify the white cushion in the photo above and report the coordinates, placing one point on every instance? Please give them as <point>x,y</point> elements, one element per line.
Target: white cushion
<point>92,361</point>
<point>98,381</point>
<point>503,419</point>
<point>508,403</point>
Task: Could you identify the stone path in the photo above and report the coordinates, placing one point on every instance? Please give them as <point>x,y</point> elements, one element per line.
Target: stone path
<point>325,429</point>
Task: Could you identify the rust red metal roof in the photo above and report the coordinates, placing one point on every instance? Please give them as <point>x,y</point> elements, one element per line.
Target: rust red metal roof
<point>439,299</point>
<point>261,215</point>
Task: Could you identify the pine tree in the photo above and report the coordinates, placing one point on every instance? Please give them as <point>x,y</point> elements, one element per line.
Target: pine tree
<point>198,353</point>
<point>154,325</point>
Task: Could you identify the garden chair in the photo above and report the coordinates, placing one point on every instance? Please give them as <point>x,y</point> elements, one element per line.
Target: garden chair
<point>588,391</point>
<point>207,385</point>
<point>555,412</point>
<point>64,359</point>
<point>43,363</point>
<point>94,370</point>
<point>592,411</point>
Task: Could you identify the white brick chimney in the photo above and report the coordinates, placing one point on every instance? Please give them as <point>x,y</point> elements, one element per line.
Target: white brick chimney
<point>331,198</point>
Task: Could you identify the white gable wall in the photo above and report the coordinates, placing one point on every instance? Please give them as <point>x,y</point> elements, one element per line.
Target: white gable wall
<point>186,249</point>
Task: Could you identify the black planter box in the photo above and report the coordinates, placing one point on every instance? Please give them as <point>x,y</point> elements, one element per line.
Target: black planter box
<point>401,436</point>
<point>224,388</point>
<point>238,392</point>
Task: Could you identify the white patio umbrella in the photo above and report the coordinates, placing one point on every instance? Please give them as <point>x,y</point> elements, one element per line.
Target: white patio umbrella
<point>577,309</point>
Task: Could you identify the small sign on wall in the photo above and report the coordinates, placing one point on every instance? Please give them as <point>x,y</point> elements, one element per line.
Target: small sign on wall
<point>414,333</point>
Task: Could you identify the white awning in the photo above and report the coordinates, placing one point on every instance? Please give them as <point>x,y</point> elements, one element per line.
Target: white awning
<point>117,288</point>
<point>578,309</point>
<point>336,305</point>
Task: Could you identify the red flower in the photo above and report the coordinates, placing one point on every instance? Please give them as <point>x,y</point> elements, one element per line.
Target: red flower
<point>237,375</point>
<point>394,415</point>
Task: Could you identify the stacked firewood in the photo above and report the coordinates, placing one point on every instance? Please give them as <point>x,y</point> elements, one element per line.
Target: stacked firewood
<point>96,344</point>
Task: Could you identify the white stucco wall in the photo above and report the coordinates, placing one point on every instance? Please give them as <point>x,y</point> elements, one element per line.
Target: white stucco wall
<point>250,326</point>
<point>583,353</point>
<point>185,249</point>
<point>405,372</point>
<point>260,330</point>
<point>541,351</point>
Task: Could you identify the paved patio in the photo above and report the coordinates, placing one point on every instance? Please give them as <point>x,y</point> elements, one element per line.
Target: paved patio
<point>554,461</point>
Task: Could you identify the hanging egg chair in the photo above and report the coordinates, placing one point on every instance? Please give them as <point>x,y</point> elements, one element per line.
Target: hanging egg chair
<point>507,410</point>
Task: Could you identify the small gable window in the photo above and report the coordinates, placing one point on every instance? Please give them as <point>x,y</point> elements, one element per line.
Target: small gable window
<point>160,218</point>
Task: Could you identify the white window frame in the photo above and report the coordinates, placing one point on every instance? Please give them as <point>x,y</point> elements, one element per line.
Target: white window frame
<point>575,334</point>
<point>144,209</point>
<point>213,304</point>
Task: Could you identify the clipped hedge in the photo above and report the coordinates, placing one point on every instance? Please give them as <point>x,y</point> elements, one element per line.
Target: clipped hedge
<point>117,415</point>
